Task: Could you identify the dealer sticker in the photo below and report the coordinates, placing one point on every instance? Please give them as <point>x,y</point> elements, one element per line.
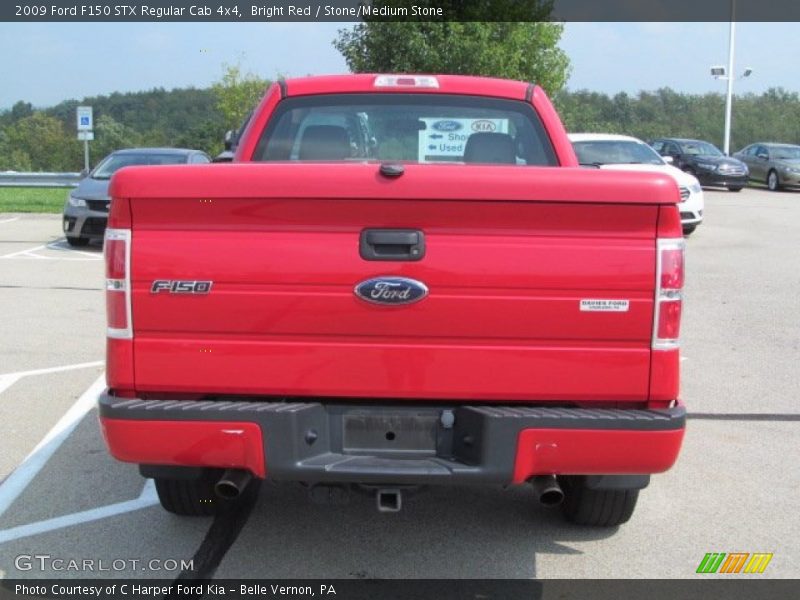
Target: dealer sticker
<point>592,305</point>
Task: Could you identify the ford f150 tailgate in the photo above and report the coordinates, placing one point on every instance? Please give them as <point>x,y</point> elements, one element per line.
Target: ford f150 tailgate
<point>540,281</point>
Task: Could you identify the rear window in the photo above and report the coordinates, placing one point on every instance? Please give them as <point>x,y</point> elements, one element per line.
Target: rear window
<point>421,128</point>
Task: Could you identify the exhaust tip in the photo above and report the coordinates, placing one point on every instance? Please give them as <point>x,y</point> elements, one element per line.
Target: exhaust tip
<point>389,500</point>
<point>232,483</point>
<point>226,490</point>
<point>547,490</point>
<point>552,498</point>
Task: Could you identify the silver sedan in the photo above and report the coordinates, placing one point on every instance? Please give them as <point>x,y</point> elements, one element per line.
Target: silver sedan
<point>777,165</point>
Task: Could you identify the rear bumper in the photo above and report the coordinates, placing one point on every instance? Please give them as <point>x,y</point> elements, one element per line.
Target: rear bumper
<point>316,442</point>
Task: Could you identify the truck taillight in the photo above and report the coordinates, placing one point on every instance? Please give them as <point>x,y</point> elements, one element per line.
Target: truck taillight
<point>669,292</point>
<point>117,250</point>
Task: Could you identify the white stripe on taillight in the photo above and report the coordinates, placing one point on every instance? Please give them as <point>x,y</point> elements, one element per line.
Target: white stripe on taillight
<point>670,272</point>
<point>117,251</point>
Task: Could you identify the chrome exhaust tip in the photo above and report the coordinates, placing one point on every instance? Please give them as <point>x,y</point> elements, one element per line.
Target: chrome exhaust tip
<point>232,483</point>
<point>547,490</point>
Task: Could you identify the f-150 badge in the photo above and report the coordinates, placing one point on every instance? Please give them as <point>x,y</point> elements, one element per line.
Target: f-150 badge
<point>391,290</point>
<point>177,286</point>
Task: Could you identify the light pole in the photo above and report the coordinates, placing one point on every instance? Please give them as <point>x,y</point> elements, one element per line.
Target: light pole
<point>721,72</point>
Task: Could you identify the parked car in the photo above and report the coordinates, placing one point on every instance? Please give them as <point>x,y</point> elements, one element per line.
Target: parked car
<point>86,207</point>
<point>446,298</point>
<point>777,165</point>
<point>705,161</point>
<point>625,153</point>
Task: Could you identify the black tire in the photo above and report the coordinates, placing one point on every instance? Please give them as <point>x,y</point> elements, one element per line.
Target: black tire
<point>192,497</point>
<point>773,181</point>
<point>77,242</point>
<point>689,229</point>
<point>735,189</point>
<point>596,508</point>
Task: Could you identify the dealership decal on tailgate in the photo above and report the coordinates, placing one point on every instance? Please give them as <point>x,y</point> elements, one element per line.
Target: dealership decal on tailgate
<point>593,305</point>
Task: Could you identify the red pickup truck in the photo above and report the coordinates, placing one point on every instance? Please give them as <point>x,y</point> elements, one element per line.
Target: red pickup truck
<point>399,281</point>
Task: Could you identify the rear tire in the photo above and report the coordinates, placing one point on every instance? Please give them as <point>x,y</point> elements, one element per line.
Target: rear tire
<point>77,242</point>
<point>596,508</point>
<point>689,229</point>
<point>773,182</point>
<point>194,497</point>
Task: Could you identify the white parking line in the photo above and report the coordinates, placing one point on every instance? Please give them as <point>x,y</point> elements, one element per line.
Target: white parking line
<point>60,245</point>
<point>24,253</point>
<point>147,498</point>
<point>16,483</point>
<point>9,379</point>
<point>6,381</point>
<point>46,370</point>
<point>9,220</point>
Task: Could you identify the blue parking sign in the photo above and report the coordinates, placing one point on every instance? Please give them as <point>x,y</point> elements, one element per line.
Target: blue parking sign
<point>84,121</point>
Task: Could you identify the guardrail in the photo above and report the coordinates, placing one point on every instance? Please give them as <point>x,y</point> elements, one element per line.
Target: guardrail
<point>16,179</point>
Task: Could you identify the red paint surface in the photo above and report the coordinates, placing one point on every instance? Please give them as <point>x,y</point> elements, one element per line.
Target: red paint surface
<point>589,451</point>
<point>228,445</point>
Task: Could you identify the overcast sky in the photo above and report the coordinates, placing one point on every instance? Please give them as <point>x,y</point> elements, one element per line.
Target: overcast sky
<point>50,62</point>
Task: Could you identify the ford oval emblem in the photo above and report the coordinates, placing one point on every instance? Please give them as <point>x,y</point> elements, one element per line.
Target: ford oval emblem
<point>391,290</point>
<point>447,125</point>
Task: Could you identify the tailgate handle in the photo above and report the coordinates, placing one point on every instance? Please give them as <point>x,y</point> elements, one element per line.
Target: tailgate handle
<point>392,244</point>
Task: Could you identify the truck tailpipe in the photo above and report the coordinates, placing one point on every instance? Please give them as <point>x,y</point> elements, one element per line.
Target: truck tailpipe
<point>547,490</point>
<point>232,483</point>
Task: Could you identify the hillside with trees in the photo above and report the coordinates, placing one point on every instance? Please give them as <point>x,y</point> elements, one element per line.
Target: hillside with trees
<point>33,139</point>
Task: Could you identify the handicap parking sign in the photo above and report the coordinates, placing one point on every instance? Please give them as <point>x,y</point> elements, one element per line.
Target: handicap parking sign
<point>84,114</point>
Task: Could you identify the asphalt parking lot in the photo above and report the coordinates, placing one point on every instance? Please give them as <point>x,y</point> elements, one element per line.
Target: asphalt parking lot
<point>734,488</point>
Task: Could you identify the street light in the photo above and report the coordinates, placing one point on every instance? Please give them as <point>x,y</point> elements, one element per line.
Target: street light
<point>720,72</point>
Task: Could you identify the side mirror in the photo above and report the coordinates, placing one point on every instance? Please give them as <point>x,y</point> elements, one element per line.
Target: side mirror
<point>230,139</point>
<point>226,156</point>
<point>762,156</point>
<point>668,159</point>
<point>84,172</point>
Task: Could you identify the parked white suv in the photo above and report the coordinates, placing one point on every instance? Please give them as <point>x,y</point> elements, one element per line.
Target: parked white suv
<point>610,151</point>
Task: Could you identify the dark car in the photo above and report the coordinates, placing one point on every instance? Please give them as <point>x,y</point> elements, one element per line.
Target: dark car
<point>777,165</point>
<point>86,208</point>
<point>705,161</point>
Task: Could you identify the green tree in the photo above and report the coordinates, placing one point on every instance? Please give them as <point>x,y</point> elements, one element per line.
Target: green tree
<point>43,139</point>
<point>110,135</point>
<point>523,50</point>
<point>237,94</point>
<point>206,135</point>
<point>20,110</point>
<point>12,159</point>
